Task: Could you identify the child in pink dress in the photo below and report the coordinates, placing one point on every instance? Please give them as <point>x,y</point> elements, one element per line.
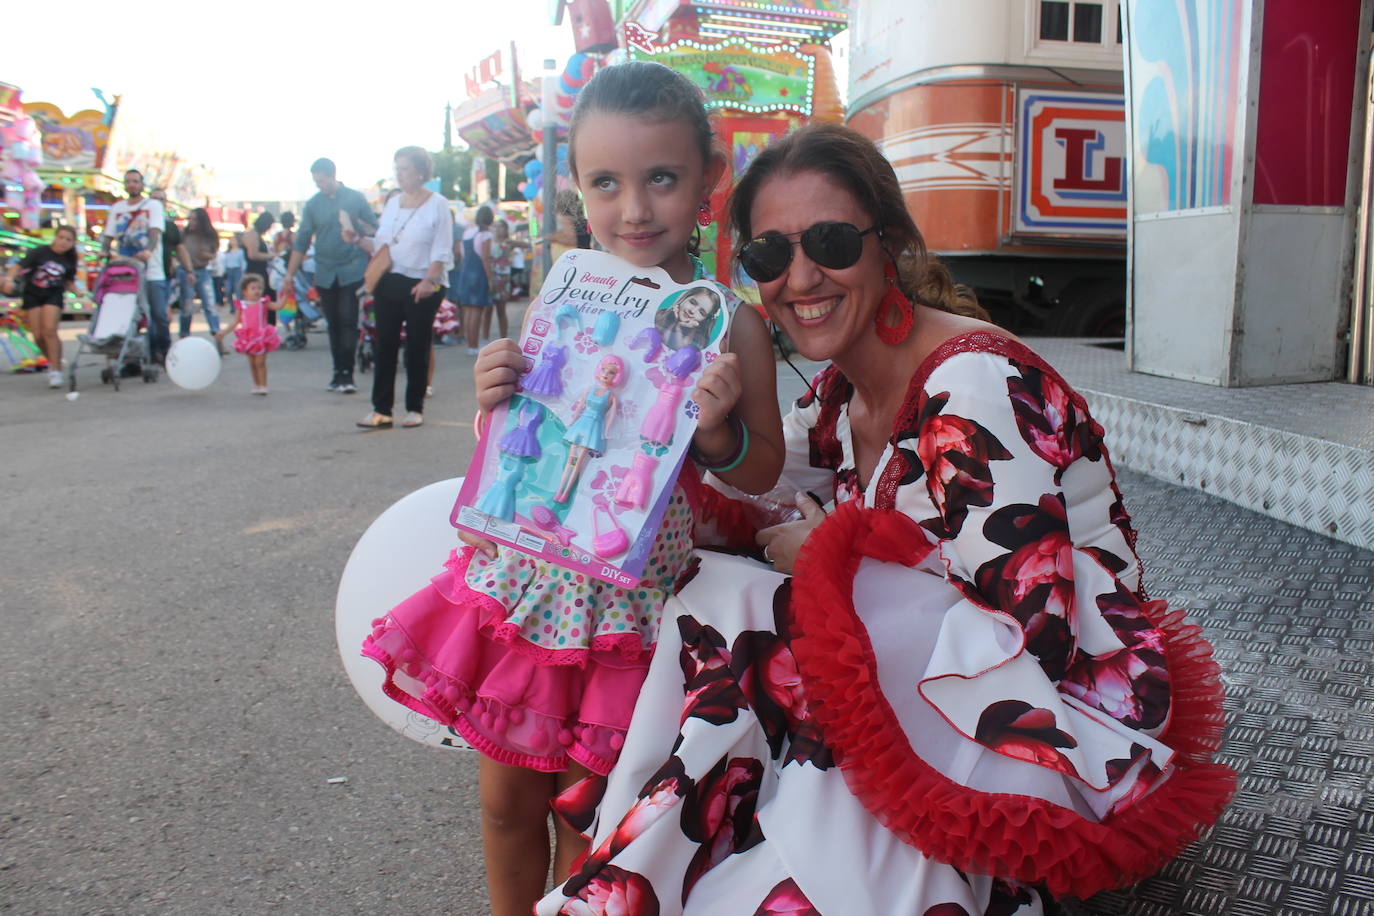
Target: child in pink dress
<point>253,336</point>
<point>537,666</point>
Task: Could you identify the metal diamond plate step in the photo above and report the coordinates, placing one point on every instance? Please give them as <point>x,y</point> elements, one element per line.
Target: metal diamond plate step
<point>1291,614</point>
<point>1303,454</point>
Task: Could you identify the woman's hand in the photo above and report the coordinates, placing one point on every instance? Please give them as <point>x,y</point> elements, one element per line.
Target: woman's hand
<point>425,287</point>
<point>349,236</point>
<point>781,543</point>
<point>495,373</point>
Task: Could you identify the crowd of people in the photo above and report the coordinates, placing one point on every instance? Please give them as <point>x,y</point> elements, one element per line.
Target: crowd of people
<point>324,260</point>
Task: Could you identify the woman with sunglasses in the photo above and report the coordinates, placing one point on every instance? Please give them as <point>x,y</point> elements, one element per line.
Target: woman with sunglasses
<point>944,690</point>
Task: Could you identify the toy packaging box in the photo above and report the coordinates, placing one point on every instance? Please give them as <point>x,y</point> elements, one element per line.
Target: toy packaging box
<point>578,466</point>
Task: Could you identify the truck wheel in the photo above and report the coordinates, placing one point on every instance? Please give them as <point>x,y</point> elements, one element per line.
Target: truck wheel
<point>1091,310</point>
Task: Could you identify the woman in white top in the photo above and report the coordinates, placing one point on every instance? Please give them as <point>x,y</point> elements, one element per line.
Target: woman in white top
<point>417,227</point>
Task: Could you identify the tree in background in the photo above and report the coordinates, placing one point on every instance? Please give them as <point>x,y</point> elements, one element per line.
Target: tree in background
<point>453,168</point>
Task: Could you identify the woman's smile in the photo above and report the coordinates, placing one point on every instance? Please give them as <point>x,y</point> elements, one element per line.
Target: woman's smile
<point>813,311</point>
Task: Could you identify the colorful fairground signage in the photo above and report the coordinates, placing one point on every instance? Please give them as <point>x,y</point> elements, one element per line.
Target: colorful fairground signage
<point>10,106</point>
<point>740,76</point>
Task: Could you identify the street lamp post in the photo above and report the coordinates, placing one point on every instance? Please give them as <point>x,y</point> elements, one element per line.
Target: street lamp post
<point>550,186</point>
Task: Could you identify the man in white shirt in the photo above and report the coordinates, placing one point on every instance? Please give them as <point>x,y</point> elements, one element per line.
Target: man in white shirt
<point>134,229</point>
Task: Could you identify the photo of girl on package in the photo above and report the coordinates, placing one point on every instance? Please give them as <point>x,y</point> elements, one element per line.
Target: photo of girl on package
<point>692,320</point>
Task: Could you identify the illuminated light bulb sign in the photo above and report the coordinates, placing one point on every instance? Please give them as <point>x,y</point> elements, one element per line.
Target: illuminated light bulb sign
<point>740,75</point>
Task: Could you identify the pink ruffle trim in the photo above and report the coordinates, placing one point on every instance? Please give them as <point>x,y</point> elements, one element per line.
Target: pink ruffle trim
<point>1005,835</point>
<point>256,343</point>
<point>448,655</point>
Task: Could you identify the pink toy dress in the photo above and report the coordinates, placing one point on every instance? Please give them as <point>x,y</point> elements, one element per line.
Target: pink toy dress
<point>661,419</point>
<point>254,335</point>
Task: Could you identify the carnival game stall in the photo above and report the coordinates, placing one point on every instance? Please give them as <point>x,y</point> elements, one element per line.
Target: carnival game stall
<point>763,68</point>
<point>21,216</point>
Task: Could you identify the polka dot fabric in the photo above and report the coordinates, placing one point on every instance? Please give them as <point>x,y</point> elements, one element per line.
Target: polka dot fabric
<point>560,610</point>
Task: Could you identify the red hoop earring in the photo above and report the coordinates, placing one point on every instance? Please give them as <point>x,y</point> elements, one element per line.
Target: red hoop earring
<point>704,215</point>
<point>900,329</point>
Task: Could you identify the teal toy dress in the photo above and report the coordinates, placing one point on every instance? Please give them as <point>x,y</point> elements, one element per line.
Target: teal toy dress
<point>589,429</point>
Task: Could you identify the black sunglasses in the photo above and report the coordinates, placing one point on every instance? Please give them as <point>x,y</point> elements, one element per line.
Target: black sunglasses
<point>834,246</point>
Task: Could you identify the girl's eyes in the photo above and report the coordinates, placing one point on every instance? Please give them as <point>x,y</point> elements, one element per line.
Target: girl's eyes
<point>657,179</point>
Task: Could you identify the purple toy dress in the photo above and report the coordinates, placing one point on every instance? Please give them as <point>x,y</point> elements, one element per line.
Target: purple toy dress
<point>523,440</point>
<point>547,377</point>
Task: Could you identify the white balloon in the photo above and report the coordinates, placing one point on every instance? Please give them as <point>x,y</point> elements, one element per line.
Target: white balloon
<point>396,556</point>
<point>193,363</point>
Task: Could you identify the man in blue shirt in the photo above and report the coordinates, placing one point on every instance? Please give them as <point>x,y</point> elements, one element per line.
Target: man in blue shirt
<point>339,265</point>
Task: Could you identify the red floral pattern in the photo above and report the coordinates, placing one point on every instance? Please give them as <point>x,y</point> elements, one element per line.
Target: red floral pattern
<point>1050,421</point>
<point>786,900</point>
<point>1131,685</point>
<point>614,892</point>
<point>576,805</point>
<point>764,695</point>
<point>719,814</point>
<point>1034,582</point>
<point>1025,732</point>
<point>768,676</point>
<point>712,692</point>
<point>955,452</point>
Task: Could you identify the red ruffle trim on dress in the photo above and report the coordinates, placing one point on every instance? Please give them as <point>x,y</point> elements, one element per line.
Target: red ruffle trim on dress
<point>730,517</point>
<point>1003,835</point>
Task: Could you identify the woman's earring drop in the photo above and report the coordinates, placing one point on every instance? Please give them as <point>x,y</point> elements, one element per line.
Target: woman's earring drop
<point>898,331</point>
<point>704,215</point>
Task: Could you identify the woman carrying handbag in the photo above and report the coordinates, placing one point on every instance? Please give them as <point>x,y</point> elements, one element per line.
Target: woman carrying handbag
<point>411,254</point>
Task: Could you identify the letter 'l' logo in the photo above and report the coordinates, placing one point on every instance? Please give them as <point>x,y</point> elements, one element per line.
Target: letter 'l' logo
<point>1081,146</point>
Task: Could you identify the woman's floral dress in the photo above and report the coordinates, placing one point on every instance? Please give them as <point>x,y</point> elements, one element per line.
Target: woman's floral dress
<point>962,701</point>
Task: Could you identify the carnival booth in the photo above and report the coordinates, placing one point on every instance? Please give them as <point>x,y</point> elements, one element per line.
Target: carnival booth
<point>763,67</point>
<point>31,190</point>
<point>20,157</point>
<point>505,119</point>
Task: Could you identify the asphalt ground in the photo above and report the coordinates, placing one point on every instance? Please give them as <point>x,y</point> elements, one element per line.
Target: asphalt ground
<point>177,719</point>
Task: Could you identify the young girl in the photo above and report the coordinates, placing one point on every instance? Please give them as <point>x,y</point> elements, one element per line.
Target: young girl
<point>50,271</point>
<point>471,649</point>
<point>500,291</point>
<point>255,337</point>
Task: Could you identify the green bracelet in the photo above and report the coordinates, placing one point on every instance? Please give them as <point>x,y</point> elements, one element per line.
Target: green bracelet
<point>736,457</point>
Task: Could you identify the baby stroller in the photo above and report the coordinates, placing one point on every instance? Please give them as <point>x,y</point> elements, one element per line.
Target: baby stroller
<point>116,328</point>
<point>304,320</point>
<point>446,323</point>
